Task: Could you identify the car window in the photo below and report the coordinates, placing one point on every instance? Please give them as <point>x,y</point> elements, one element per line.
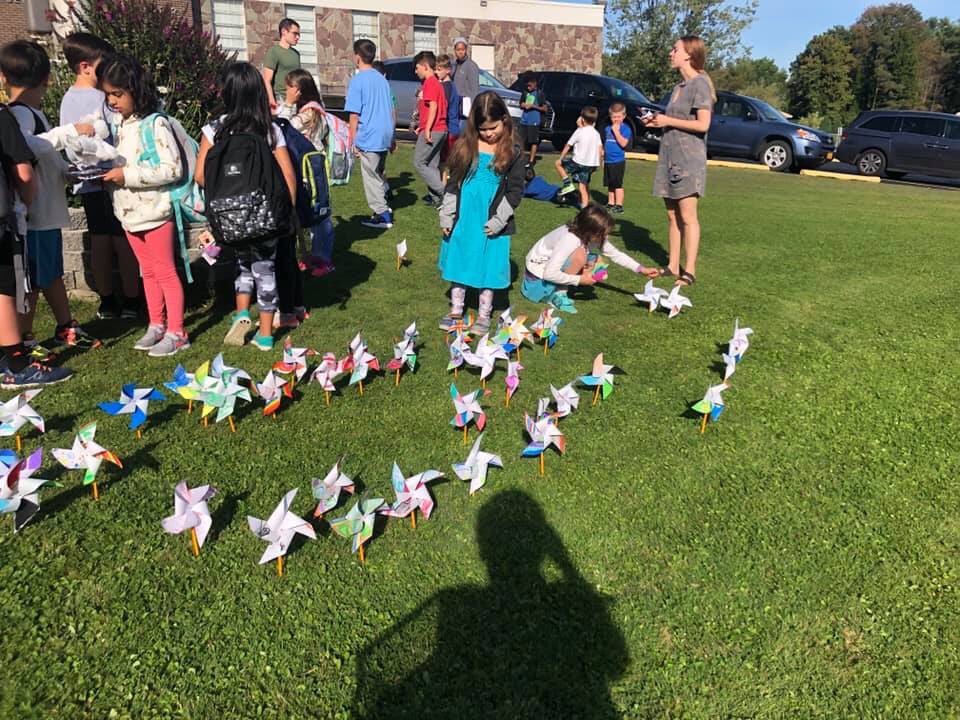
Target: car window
<point>922,126</point>
<point>622,91</point>
<point>585,87</point>
<point>555,86</point>
<point>489,81</point>
<point>884,123</point>
<point>401,71</point>
<point>953,130</point>
<point>769,113</point>
<point>732,108</point>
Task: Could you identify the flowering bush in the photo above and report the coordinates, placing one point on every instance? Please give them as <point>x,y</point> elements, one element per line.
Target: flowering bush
<point>185,61</point>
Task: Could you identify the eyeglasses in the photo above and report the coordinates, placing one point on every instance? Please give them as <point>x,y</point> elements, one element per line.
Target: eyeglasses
<point>296,34</point>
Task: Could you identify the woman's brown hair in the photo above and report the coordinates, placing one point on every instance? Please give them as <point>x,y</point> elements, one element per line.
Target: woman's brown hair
<point>591,225</point>
<point>697,51</point>
<point>303,81</point>
<point>487,107</point>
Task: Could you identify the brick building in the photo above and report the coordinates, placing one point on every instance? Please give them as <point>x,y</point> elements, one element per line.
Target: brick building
<point>506,36</point>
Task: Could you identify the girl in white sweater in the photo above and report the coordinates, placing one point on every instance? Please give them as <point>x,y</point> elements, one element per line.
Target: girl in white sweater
<point>566,257</point>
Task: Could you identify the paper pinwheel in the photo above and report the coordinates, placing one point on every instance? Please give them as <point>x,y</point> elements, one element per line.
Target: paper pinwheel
<point>543,408</point>
<point>358,523</point>
<point>675,302</point>
<point>600,271</point>
<point>401,254</point>
<point>485,357</point>
<point>190,512</point>
<point>729,366</point>
<point>294,360</point>
<point>16,412</point>
<point>88,455</point>
<point>513,334</point>
<point>19,492</point>
<point>566,399</point>
<point>327,372</point>
<point>133,402</point>
<point>457,348</point>
<point>547,328</point>
<point>326,491</point>
<point>504,319</point>
<point>219,369</point>
<point>543,433</point>
<point>474,468</point>
<point>740,340</point>
<point>512,379</point>
<point>272,390</point>
<point>651,295</point>
<point>711,406</point>
<point>600,378</point>
<point>405,352</point>
<point>468,410</point>
<point>360,362</point>
<point>278,530</point>
<point>181,379</point>
<point>412,495</point>
<point>218,392</point>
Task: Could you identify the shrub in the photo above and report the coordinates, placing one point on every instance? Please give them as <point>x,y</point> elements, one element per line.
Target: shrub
<point>185,61</point>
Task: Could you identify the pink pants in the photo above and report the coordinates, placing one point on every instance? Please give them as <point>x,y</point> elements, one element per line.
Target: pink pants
<point>161,284</point>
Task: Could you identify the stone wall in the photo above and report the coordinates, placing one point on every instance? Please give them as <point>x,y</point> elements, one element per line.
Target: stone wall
<point>263,19</point>
<point>13,21</point>
<point>396,35</point>
<point>334,49</point>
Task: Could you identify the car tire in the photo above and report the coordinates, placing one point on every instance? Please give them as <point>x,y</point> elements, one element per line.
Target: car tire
<point>872,163</point>
<point>777,155</point>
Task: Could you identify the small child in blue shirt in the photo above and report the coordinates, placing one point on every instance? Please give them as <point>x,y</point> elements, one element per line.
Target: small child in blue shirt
<point>616,138</point>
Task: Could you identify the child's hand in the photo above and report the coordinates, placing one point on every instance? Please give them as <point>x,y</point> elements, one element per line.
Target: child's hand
<point>586,277</point>
<point>115,176</point>
<point>83,128</point>
<point>446,231</point>
<point>649,272</point>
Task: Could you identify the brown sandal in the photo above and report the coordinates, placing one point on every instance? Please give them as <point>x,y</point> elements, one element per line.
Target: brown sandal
<point>686,279</point>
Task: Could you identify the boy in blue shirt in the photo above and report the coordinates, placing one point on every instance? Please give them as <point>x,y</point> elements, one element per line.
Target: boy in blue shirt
<point>532,103</point>
<point>370,105</point>
<point>616,138</point>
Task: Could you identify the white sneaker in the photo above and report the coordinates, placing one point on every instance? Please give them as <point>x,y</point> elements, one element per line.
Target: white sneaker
<point>151,337</point>
<point>170,345</point>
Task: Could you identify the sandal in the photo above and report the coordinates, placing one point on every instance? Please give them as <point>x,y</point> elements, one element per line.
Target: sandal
<point>666,272</point>
<point>686,279</point>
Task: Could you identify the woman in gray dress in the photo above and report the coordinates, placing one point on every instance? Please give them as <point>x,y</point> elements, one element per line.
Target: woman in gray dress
<point>682,165</point>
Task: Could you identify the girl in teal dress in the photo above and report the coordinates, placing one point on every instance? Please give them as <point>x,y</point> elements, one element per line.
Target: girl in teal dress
<point>483,191</point>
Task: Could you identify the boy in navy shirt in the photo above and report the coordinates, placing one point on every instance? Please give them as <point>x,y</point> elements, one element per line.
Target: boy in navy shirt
<point>616,138</point>
<point>532,103</point>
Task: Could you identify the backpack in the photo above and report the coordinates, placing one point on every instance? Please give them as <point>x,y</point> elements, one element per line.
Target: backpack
<point>38,128</point>
<point>339,155</point>
<point>309,164</point>
<point>186,196</point>
<point>247,198</point>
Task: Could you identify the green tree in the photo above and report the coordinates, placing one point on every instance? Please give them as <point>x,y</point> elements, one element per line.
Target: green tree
<point>821,79</point>
<point>889,44</point>
<point>947,69</point>
<point>757,77</point>
<point>640,34</point>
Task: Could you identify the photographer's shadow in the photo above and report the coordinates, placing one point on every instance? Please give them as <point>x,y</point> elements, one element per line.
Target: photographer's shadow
<point>536,642</point>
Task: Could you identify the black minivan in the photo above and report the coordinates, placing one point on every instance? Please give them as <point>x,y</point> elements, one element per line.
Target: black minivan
<point>897,142</point>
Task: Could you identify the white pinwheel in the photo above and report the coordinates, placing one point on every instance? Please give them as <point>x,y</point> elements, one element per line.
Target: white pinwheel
<point>190,512</point>
<point>474,468</point>
<point>651,295</point>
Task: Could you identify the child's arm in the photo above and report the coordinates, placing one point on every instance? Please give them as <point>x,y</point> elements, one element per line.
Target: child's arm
<point>511,198</point>
<point>24,182</point>
<point>431,118</point>
<point>201,159</point>
<point>624,260</point>
<point>621,140</point>
<point>137,175</point>
<point>448,207</point>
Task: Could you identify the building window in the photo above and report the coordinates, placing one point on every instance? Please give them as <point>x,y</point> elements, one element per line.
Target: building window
<point>307,47</point>
<point>228,23</point>
<point>424,33</point>
<point>366,26</point>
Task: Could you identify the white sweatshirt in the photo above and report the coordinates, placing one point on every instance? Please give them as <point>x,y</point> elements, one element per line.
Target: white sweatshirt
<point>49,208</point>
<point>143,203</point>
<point>546,258</point>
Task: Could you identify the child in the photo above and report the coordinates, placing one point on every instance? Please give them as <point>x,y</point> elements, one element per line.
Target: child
<point>565,257</point>
<point>26,70</point>
<point>382,69</point>
<point>82,100</point>
<point>484,189</point>
<point>532,104</point>
<point>308,117</point>
<point>453,103</point>
<point>616,138</point>
<point>248,111</point>
<point>142,202</point>
<point>371,130</point>
<point>587,150</point>
<point>432,128</point>
<point>16,178</point>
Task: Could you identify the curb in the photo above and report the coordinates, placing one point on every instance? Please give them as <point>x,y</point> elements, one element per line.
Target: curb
<point>839,176</point>
<point>650,157</point>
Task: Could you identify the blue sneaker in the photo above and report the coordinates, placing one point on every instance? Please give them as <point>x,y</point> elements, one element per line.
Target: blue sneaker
<point>34,375</point>
<point>383,221</point>
<point>563,303</point>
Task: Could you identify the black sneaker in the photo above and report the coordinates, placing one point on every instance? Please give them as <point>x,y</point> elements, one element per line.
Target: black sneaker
<point>108,310</point>
<point>130,310</point>
<point>33,375</point>
<point>431,201</point>
<point>617,210</point>
<point>383,221</point>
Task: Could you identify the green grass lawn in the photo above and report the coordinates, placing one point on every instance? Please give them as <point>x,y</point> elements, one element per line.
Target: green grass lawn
<point>797,560</point>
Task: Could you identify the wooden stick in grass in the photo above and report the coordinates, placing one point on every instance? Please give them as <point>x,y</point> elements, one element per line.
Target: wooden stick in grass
<point>464,434</point>
<point>542,463</point>
<point>139,434</point>
<point>362,558</point>
<point>397,382</point>
<point>326,395</point>
<point>279,565</point>
<point>506,395</point>
<point>189,407</point>
<point>19,442</point>
<point>361,388</point>
<point>194,543</point>
<point>413,519</point>
<point>596,395</point>
<point>96,492</point>
<point>233,427</point>
<point>703,424</point>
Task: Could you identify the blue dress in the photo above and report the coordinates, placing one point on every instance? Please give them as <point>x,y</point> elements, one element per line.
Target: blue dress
<point>468,257</point>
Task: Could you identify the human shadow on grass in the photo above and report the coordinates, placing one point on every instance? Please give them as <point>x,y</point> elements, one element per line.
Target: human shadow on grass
<point>637,239</point>
<point>403,195</point>
<point>225,513</point>
<point>536,642</point>
<point>353,269</point>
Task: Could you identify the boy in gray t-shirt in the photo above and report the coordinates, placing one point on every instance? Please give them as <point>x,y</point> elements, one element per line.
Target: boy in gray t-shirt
<point>83,99</point>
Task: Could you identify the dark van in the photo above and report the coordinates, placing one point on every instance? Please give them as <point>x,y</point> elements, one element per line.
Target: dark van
<point>897,142</point>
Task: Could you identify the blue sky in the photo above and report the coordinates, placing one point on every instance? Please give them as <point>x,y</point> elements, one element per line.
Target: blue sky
<point>782,28</point>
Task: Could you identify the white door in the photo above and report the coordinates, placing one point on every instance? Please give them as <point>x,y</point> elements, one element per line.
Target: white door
<point>485,57</point>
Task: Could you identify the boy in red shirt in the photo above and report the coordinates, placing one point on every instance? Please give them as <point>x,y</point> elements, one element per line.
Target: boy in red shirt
<point>432,130</point>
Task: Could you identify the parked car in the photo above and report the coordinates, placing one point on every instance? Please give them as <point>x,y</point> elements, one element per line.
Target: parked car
<point>897,142</point>
<point>750,128</point>
<point>569,92</point>
<point>404,83</point>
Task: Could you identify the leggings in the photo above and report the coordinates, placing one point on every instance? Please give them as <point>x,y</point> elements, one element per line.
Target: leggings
<point>289,277</point>
<point>256,273</point>
<point>161,283</point>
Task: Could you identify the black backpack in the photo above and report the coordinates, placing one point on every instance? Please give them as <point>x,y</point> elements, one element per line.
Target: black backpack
<point>247,200</point>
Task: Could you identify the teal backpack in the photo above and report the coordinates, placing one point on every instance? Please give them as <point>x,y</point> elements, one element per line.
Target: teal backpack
<point>185,195</point>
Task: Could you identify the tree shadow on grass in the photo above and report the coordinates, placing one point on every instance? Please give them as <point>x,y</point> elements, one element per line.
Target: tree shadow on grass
<point>536,642</point>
